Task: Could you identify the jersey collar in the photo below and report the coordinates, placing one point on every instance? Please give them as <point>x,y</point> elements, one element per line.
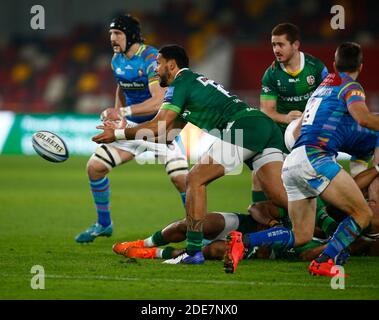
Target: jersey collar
<point>302,63</point>
<point>141,47</point>
<point>182,69</point>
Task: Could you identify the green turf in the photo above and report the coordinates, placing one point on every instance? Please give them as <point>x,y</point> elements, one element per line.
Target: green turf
<point>44,205</point>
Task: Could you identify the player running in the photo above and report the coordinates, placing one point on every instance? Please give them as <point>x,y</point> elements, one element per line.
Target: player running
<point>138,98</point>
<point>245,134</point>
<point>288,83</point>
<point>336,119</point>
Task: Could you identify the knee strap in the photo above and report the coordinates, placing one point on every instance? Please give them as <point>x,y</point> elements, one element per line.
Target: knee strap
<point>107,155</point>
<point>176,167</point>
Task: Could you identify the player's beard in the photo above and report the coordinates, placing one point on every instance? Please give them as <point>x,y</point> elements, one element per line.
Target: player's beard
<point>116,47</point>
<point>163,79</point>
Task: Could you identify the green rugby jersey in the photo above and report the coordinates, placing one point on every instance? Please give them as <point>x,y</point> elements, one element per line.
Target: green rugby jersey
<point>205,103</point>
<point>292,91</point>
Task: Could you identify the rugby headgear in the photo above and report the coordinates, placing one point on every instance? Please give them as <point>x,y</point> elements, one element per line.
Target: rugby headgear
<point>130,26</point>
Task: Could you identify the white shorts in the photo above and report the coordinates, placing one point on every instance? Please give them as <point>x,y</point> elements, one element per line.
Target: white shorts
<point>231,224</point>
<point>164,152</point>
<point>303,179</point>
<point>232,157</point>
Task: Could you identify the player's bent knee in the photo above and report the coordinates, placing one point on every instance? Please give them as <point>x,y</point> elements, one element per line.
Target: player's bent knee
<point>176,167</point>
<point>107,156</point>
<point>363,217</point>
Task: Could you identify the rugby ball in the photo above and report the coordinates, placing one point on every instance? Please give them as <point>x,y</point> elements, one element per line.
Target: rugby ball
<point>50,146</point>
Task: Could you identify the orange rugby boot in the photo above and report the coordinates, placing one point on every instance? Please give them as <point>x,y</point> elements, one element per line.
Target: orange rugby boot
<point>120,247</point>
<point>234,251</point>
<point>140,253</point>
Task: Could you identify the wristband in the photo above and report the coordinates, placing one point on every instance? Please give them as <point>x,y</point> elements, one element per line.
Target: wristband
<point>120,134</point>
<point>126,111</point>
<point>377,167</point>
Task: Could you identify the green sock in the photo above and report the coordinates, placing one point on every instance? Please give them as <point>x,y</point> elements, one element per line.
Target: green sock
<point>323,220</point>
<point>258,196</point>
<point>158,240</point>
<point>284,218</point>
<point>309,245</point>
<point>167,252</point>
<point>319,204</point>
<point>282,213</point>
<point>194,242</point>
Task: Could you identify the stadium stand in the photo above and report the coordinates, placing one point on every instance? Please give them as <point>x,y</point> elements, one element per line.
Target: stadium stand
<point>71,73</point>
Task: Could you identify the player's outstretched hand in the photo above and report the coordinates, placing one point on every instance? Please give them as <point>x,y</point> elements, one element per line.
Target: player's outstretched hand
<point>111,114</point>
<point>112,117</point>
<point>107,136</point>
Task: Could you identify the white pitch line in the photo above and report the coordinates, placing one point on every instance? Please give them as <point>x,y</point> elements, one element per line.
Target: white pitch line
<point>217,282</point>
<point>225,282</point>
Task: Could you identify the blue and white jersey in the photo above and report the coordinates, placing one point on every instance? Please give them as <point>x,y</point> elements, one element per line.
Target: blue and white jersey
<point>327,124</point>
<point>135,75</point>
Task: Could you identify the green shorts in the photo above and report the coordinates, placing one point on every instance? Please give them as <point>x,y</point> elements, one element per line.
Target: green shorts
<point>259,133</point>
<point>254,140</point>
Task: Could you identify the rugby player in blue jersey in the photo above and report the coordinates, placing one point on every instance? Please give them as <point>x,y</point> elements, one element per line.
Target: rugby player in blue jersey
<point>336,118</point>
<point>138,99</point>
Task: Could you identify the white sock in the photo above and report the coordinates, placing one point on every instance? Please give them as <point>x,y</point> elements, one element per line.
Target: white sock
<point>148,242</point>
<point>159,253</point>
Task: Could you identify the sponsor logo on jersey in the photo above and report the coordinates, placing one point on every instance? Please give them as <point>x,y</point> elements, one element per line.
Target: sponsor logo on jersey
<point>311,80</point>
<point>265,89</point>
<point>132,85</point>
<point>119,71</point>
<point>293,80</point>
<point>129,67</point>
<point>357,93</point>
<point>186,113</point>
<point>297,98</point>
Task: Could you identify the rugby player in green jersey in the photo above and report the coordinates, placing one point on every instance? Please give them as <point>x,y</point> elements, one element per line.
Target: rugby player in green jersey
<point>243,134</point>
<point>287,83</point>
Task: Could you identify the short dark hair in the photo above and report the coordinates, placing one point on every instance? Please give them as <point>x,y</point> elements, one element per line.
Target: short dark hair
<point>348,57</point>
<point>290,30</point>
<point>176,53</point>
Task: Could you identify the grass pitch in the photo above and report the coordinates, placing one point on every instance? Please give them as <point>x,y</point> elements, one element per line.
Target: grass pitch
<point>44,205</point>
